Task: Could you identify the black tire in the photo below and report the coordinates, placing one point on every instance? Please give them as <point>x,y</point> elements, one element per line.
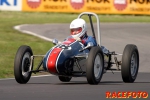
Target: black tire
<point>64,79</point>
<point>95,53</point>
<point>22,64</point>
<point>130,63</point>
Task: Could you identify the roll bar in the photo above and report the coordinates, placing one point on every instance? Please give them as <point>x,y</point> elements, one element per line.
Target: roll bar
<point>98,24</point>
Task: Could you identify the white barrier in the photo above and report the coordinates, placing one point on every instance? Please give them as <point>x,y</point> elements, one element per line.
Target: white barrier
<point>11,5</point>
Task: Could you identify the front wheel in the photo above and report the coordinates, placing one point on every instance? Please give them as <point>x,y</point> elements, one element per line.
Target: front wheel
<point>95,65</point>
<point>22,64</point>
<point>130,63</point>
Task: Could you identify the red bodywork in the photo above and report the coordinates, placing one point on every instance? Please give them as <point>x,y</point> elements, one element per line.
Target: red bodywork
<point>53,56</point>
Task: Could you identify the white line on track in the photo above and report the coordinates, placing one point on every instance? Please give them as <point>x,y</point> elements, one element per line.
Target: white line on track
<point>18,27</point>
<point>31,76</point>
<point>31,33</point>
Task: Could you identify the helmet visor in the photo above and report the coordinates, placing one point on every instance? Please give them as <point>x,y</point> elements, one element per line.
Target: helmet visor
<point>75,31</point>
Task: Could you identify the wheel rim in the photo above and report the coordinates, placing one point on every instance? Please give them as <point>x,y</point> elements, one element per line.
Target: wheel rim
<point>97,66</point>
<point>26,64</point>
<point>133,64</point>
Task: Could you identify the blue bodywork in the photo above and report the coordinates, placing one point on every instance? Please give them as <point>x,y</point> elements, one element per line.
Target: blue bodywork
<point>65,59</point>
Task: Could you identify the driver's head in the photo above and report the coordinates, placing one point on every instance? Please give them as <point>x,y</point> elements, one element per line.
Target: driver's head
<point>78,28</point>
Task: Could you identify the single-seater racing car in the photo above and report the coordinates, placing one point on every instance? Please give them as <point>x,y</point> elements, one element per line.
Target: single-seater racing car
<point>71,58</point>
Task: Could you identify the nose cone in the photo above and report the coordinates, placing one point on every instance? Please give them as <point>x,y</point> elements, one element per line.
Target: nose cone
<point>50,60</point>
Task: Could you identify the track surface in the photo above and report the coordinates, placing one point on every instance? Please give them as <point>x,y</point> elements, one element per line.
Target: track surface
<point>50,88</point>
<point>114,36</point>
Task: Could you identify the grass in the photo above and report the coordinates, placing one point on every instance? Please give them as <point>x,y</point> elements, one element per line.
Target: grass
<point>10,39</point>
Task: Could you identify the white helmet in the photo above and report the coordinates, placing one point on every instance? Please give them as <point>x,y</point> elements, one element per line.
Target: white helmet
<point>78,28</point>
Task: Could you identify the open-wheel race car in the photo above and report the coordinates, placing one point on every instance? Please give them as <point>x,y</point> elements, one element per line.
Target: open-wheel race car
<point>71,58</point>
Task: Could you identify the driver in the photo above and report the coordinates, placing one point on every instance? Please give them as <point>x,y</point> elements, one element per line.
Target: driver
<point>78,30</point>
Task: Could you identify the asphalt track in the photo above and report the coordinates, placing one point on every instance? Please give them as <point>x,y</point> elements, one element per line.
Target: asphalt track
<point>114,36</point>
<point>50,88</point>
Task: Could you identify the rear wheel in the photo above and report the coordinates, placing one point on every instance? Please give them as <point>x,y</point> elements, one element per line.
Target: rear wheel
<point>130,63</point>
<point>95,65</point>
<point>64,79</point>
<point>22,64</point>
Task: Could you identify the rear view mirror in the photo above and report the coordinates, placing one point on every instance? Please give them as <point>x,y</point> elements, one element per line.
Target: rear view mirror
<point>55,41</point>
<point>89,45</point>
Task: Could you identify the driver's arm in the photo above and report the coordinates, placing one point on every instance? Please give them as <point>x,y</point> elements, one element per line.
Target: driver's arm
<point>91,39</point>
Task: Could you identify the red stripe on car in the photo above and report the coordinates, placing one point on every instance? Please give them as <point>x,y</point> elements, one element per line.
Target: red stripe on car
<point>51,64</point>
